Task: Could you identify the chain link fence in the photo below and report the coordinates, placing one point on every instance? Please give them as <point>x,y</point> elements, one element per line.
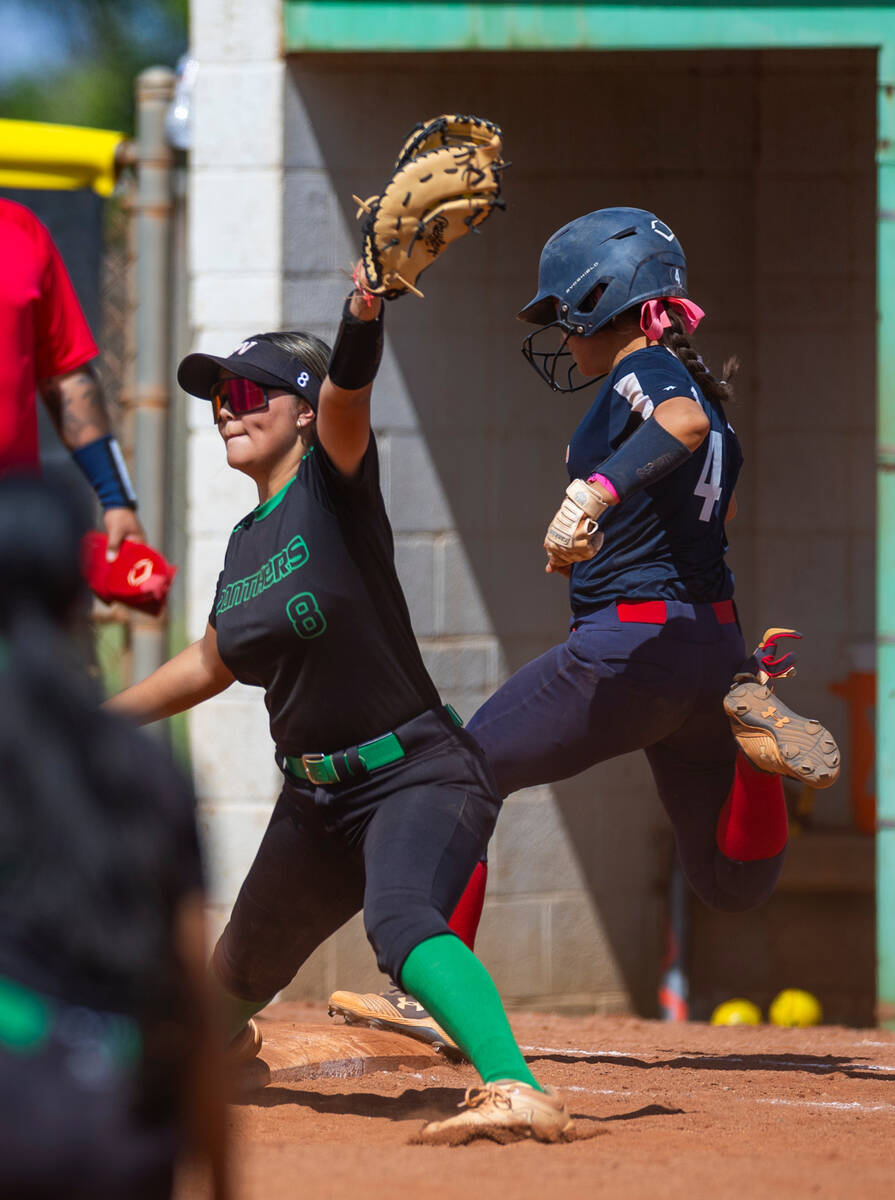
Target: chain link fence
<point>115,366</point>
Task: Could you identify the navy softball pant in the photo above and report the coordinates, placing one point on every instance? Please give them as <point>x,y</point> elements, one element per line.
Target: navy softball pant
<point>620,683</point>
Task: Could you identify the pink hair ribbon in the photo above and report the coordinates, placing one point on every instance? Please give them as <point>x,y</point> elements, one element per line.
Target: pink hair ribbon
<point>654,319</point>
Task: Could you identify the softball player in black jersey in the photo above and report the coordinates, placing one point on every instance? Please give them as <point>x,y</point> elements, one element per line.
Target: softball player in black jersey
<point>387,803</point>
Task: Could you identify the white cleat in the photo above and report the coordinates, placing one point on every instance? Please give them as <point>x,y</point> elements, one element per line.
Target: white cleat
<point>503,1111</point>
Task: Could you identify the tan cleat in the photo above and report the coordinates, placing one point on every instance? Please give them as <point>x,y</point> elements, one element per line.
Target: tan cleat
<point>777,740</point>
<point>396,1011</point>
<point>245,1046</point>
<point>504,1111</point>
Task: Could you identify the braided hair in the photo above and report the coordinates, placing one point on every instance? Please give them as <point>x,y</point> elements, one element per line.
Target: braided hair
<point>676,340</point>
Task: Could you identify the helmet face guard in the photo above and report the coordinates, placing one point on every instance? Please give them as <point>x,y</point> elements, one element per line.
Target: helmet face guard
<point>556,366</point>
<point>591,270</point>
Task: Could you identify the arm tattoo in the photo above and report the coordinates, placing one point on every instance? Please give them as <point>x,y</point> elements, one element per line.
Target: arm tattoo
<point>75,402</point>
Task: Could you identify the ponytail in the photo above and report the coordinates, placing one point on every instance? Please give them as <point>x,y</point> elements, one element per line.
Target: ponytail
<point>675,339</point>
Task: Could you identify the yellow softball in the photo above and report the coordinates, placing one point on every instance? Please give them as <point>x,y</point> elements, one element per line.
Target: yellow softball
<point>792,1006</point>
<point>737,1012</point>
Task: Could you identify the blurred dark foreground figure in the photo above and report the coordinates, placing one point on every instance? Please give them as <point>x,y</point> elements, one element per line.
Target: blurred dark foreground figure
<point>106,1068</point>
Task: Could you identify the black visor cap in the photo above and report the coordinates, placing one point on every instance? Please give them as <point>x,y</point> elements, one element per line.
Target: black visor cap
<point>255,359</point>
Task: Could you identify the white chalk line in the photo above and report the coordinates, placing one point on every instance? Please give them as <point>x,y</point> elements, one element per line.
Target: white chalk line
<point>569,1050</point>
<point>596,1091</point>
<point>838,1104</point>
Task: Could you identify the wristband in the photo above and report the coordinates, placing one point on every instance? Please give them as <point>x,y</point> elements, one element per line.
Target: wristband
<point>357,352</point>
<point>360,286</point>
<point>605,484</point>
<point>647,456</point>
<point>103,464</point>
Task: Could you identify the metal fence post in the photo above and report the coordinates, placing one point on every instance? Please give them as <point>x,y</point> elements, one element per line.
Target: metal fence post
<point>152,214</point>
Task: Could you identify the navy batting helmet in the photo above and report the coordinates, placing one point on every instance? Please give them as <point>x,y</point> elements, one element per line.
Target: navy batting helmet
<point>594,268</point>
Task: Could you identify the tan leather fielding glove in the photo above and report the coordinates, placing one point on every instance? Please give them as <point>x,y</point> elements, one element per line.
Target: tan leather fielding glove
<point>447,181</point>
<point>573,535</point>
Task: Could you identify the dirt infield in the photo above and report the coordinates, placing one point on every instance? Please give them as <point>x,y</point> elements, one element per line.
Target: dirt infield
<point>662,1111</point>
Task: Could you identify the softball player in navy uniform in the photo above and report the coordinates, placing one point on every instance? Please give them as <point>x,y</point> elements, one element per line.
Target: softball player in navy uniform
<point>387,803</point>
<point>655,658</point>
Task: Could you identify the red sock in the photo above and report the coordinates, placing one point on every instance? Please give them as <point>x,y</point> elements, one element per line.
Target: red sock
<point>468,913</point>
<point>752,823</point>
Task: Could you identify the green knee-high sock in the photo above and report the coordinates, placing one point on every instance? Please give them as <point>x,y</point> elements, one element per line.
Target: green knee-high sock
<point>451,984</point>
<point>232,1012</point>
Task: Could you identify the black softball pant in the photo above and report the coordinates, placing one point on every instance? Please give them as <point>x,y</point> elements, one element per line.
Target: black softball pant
<point>620,685</point>
<point>400,844</point>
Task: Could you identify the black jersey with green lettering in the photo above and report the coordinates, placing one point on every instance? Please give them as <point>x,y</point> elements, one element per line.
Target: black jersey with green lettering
<point>309,607</point>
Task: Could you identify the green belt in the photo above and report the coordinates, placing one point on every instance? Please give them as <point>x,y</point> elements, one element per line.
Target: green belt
<point>380,752</point>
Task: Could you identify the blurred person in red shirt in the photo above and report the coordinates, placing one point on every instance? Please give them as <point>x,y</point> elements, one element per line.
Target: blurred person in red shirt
<point>46,346</point>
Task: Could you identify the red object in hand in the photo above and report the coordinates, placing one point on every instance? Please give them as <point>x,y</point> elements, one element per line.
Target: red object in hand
<point>139,577</point>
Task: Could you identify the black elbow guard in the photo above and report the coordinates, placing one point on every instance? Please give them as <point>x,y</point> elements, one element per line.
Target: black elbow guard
<point>357,352</point>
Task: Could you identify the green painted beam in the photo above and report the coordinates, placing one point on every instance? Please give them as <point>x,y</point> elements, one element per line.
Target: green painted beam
<point>383,25</point>
<point>885,547</point>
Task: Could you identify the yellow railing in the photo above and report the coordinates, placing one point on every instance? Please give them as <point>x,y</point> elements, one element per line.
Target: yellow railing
<point>36,155</point>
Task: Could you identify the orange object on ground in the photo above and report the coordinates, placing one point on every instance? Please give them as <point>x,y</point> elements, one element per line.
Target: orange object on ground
<point>859,693</point>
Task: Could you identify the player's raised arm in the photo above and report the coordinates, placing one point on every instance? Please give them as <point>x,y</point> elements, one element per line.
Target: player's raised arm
<point>343,415</point>
<point>446,182</point>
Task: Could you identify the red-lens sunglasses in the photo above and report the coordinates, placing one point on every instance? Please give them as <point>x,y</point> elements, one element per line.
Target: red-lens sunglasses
<point>240,396</point>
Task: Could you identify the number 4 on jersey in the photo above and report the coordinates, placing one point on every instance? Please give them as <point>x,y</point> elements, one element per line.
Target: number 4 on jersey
<point>709,486</point>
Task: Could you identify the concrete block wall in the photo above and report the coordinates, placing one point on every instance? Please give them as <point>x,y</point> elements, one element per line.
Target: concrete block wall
<point>815,350</point>
<point>778,227</point>
<point>474,444</point>
<point>235,269</point>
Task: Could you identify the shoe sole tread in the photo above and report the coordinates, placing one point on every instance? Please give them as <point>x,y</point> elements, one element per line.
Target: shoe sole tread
<point>422,1032</point>
<point>776,739</point>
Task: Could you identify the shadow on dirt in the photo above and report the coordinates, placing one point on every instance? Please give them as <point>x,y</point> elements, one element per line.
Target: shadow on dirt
<point>812,1064</point>
<point>649,1110</point>
<point>589,1126</point>
<point>425,1104</point>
